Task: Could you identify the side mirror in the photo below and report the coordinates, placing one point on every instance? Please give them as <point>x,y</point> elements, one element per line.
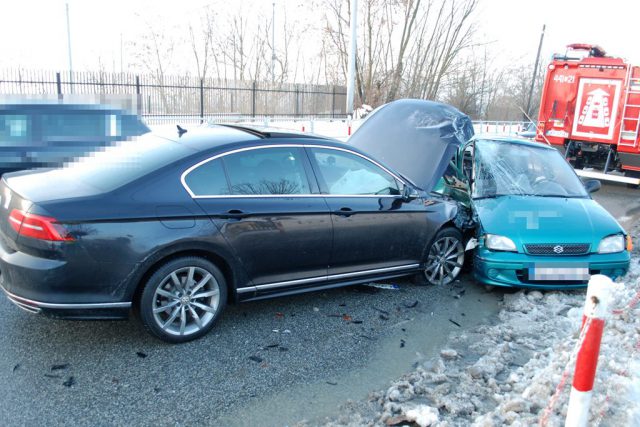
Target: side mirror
<point>409,193</point>
<point>592,185</point>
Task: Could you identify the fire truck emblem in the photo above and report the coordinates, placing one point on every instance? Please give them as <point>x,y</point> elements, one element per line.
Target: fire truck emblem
<point>596,110</point>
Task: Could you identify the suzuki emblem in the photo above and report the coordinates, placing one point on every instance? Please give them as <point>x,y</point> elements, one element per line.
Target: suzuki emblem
<point>558,249</point>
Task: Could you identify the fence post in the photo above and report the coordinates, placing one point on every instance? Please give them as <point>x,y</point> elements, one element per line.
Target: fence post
<point>297,107</point>
<point>139,97</point>
<point>253,99</point>
<point>333,102</point>
<point>595,310</point>
<point>201,101</point>
<point>59,86</point>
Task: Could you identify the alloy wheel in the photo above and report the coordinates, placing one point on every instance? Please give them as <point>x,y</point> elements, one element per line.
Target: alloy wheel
<point>444,261</point>
<point>186,301</point>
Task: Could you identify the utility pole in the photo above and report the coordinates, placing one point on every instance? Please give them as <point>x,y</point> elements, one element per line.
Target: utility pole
<point>535,73</point>
<point>273,42</point>
<point>69,48</point>
<point>351,78</point>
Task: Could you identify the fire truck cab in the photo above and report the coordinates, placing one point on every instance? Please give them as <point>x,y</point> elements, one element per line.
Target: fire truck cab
<point>590,111</point>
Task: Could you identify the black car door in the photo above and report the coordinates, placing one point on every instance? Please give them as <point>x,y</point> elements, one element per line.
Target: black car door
<point>263,203</point>
<point>375,230</point>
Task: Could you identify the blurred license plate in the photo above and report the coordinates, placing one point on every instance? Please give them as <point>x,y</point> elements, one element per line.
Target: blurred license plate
<point>559,273</point>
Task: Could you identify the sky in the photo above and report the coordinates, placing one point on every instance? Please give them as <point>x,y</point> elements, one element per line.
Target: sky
<point>34,32</point>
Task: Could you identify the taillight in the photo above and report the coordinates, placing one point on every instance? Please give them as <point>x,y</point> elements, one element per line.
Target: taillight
<point>38,227</point>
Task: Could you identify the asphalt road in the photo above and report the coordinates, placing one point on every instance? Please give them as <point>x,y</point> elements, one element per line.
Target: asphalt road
<point>265,363</point>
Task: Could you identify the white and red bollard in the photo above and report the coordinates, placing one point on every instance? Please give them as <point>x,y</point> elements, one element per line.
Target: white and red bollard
<point>595,311</point>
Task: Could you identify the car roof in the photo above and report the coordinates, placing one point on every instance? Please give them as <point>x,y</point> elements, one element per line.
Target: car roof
<point>202,138</point>
<point>59,107</point>
<point>513,140</point>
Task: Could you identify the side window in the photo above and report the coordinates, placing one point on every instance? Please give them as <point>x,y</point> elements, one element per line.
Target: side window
<point>14,127</point>
<point>208,179</point>
<point>349,174</point>
<point>267,171</point>
<point>76,124</point>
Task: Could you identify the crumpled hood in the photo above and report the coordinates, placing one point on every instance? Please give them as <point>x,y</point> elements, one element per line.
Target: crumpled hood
<point>526,219</point>
<point>415,137</point>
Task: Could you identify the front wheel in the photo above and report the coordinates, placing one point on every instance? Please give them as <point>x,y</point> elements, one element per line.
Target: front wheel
<point>445,257</point>
<point>182,299</point>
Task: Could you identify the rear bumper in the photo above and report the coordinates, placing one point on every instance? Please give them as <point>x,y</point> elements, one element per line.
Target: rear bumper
<point>57,289</point>
<point>512,269</point>
<point>112,310</point>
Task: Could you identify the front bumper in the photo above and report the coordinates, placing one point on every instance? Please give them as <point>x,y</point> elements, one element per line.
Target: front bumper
<point>512,269</point>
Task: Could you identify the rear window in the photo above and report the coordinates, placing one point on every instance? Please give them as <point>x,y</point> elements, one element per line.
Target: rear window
<point>114,166</point>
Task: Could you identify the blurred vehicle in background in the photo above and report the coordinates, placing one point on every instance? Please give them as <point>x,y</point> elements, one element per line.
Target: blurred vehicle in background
<point>34,135</point>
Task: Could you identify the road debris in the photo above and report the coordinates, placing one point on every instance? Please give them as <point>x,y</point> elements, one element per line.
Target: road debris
<point>387,286</point>
<point>59,366</point>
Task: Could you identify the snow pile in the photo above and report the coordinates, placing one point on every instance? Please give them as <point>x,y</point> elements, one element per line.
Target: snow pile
<point>507,373</point>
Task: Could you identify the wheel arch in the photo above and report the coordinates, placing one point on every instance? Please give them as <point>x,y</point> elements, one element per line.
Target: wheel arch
<point>218,257</point>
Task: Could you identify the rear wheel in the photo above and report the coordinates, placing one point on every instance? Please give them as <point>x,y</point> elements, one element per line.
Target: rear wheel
<point>445,257</point>
<point>182,300</point>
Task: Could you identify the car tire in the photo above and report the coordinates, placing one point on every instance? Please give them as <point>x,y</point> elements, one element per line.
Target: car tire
<point>444,257</point>
<point>182,299</point>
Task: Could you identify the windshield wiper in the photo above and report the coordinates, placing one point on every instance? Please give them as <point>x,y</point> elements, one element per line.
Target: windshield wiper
<point>492,196</point>
<point>562,196</point>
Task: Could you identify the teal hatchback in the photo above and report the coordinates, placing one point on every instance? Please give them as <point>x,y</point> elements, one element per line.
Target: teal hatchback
<point>536,224</point>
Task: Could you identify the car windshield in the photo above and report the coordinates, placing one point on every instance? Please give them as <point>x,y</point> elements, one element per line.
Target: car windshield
<point>505,168</point>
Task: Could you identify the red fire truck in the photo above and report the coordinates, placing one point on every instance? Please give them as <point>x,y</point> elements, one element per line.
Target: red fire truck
<point>590,111</point>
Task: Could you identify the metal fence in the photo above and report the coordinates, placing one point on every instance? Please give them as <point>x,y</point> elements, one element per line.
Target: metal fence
<point>166,96</point>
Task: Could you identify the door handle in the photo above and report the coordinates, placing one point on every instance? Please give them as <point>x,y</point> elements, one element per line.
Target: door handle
<point>234,214</point>
<point>344,212</point>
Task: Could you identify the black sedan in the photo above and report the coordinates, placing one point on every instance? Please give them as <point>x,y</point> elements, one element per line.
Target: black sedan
<point>177,227</point>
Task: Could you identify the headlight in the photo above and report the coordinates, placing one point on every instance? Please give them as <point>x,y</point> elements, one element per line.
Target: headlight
<point>611,244</point>
<point>499,243</point>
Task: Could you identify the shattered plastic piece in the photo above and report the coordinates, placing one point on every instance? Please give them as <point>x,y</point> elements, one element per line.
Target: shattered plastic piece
<point>286,331</point>
<point>346,318</point>
<point>367,337</point>
<point>356,322</point>
<point>392,287</point>
<point>383,316</point>
<point>411,304</point>
<point>385,312</point>
<point>59,367</point>
<point>276,331</point>
<point>256,359</point>
<point>52,376</point>
<point>16,367</point>
<point>279,315</point>
<point>455,323</point>
<point>274,345</point>
<point>332,383</point>
<point>69,382</point>
<point>141,354</point>
<point>402,342</point>
<point>316,309</point>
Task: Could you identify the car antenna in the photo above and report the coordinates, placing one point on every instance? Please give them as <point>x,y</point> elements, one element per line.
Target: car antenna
<point>181,131</point>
